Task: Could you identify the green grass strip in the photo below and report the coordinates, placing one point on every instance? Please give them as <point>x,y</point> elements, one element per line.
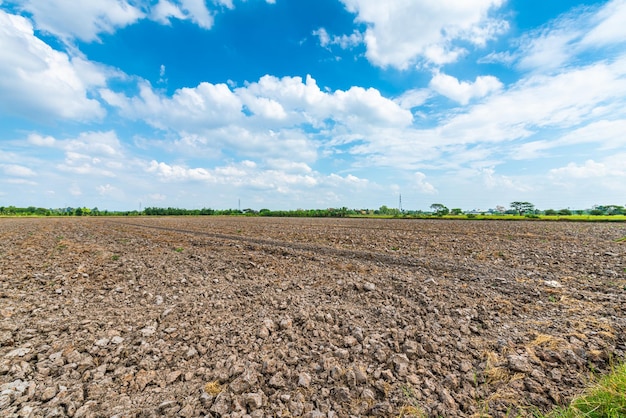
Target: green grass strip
<point>605,400</point>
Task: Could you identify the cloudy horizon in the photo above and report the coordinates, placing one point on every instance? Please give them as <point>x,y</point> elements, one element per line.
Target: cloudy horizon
<point>285,104</point>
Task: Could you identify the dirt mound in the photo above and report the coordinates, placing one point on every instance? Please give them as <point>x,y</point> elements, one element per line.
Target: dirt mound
<point>237,317</point>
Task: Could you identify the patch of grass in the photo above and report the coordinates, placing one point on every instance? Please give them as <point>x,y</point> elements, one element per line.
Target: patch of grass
<point>621,239</point>
<point>179,249</point>
<point>115,257</point>
<point>411,411</point>
<point>549,341</point>
<point>607,399</point>
<point>213,388</point>
<point>412,408</point>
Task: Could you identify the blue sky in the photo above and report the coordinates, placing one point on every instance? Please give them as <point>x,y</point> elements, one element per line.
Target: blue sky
<point>289,104</point>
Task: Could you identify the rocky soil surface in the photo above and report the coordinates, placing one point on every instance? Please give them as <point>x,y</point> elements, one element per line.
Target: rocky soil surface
<point>263,317</point>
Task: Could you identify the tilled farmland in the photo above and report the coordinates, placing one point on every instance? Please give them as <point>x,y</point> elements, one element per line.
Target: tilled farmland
<point>268,317</point>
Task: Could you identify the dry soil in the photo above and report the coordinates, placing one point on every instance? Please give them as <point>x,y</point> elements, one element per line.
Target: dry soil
<point>259,317</point>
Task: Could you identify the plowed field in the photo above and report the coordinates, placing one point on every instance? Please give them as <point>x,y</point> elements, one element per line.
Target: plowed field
<point>259,317</point>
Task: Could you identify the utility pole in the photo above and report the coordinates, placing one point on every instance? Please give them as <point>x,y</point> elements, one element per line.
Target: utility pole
<point>400,202</point>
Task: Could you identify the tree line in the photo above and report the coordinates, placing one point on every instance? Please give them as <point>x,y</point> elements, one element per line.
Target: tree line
<point>437,209</point>
<point>528,209</point>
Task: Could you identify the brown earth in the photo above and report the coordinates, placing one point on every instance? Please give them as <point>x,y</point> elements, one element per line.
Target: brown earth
<point>238,317</point>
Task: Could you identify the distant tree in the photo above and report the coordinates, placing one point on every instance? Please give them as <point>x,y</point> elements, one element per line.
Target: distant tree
<point>607,210</point>
<point>439,209</point>
<point>500,209</point>
<point>522,207</point>
<point>615,210</point>
<point>456,211</point>
<point>565,212</point>
<point>549,212</point>
<point>383,210</point>
<point>42,212</point>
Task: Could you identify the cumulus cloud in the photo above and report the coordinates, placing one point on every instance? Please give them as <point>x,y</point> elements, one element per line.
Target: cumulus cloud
<point>84,20</point>
<point>561,40</point>
<point>305,101</point>
<point>37,81</point>
<point>403,32</point>
<point>177,172</point>
<point>492,180</point>
<point>413,98</point>
<point>164,10</point>
<point>42,141</point>
<point>608,26</point>
<point>343,41</point>
<point>463,91</point>
<point>590,169</point>
<point>263,117</point>
<point>16,170</point>
<point>248,174</point>
<point>95,144</point>
<point>205,106</point>
<point>197,11</point>
<point>563,100</point>
<point>420,183</point>
<point>88,20</point>
<point>106,189</point>
<point>605,134</point>
<point>96,153</point>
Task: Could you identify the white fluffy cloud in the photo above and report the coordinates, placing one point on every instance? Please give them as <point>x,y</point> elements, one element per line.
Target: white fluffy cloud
<point>42,141</point>
<point>593,179</point>
<point>590,169</point>
<point>463,91</point>
<point>402,32</point>
<point>87,20</point>
<point>196,11</point>
<point>564,100</point>
<point>250,175</point>
<point>37,81</point>
<point>422,185</point>
<point>84,20</point>
<point>15,170</point>
<point>94,153</point>
<point>205,106</point>
<point>413,98</point>
<point>264,117</point>
<point>101,144</point>
<point>605,134</point>
<point>343,41</point>
<point>558,42</point>
<point>609,25</point>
